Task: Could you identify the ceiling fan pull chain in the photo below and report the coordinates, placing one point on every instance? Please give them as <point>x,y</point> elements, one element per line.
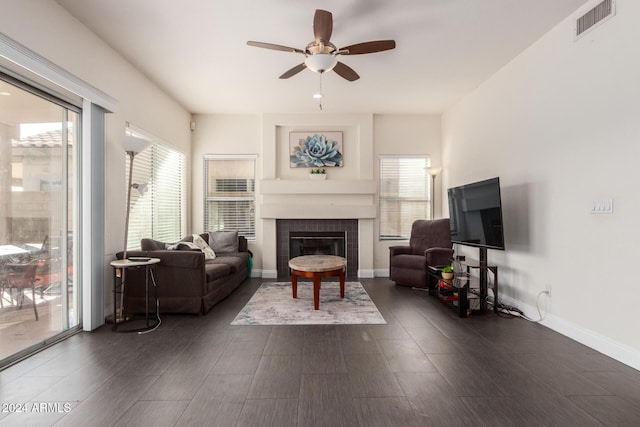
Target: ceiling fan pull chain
<point>321,94</point>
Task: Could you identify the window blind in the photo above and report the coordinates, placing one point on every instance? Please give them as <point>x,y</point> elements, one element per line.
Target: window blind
<point>404,194</point>
<point>230,194</point>
<point>160,213</point>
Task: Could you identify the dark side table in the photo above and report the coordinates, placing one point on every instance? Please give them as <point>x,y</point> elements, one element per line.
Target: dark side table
<point>120,268</point>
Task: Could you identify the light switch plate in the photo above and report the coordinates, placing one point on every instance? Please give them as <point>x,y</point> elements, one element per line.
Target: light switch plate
<point>604,206</point>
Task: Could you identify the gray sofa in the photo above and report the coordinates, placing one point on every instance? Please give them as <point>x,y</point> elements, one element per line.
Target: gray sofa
<point>186,282</point>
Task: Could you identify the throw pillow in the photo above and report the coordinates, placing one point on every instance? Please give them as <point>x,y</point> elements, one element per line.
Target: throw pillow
<point>208,252</point>
<point>224,241</point>
<point>183,246</point>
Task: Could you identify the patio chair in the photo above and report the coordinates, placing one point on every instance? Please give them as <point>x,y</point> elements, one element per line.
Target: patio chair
<point>22,277</point>
<point>50,271</point>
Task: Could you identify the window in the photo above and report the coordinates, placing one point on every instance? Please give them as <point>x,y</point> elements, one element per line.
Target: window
<point>160,213</point>
<point>230,194</point>
<point>405,194</point>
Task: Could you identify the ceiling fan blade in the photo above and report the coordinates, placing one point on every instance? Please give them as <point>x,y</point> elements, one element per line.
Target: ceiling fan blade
<point>369,47</point>
<point>322,26</point>
<point>274,47</point>
<point>345,72</point>
<point>293,71</point>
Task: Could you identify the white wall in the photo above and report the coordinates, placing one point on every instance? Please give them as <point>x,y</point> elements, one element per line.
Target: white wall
<point>560,126</point>
<point>224,134</point>
<point>50,31</point>
<point>406,135</point>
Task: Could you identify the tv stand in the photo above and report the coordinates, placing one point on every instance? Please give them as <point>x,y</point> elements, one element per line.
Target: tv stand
<point>456,292</point>
<point>483,267</point>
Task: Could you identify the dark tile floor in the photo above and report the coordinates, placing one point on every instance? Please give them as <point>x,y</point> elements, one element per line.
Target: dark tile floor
<point>426,367</point>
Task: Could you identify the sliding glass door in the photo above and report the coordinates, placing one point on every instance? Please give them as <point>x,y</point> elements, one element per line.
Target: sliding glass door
<point>38,189</point>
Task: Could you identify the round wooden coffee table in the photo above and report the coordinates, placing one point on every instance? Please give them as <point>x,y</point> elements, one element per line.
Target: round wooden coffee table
<point>316,267</point>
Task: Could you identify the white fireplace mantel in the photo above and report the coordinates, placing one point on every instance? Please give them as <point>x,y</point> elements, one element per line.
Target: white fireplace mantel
<point>297,186</point>
<point>330,199</point>
<point>302,211</point>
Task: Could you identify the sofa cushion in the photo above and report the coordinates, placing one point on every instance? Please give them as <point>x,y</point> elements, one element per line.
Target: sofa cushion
<point>416,262</point>
<point>183,246</point>
<point>152,245</point>
<point>427,234</point>
<point>224,241</point>
<point>213,270</point>
<point>236,261</point>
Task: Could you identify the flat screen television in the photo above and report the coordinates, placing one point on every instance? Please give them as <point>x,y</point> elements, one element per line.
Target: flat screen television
<point>475,214</point>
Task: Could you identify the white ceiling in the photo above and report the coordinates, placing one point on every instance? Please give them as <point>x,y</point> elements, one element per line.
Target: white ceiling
<point>196,51</point>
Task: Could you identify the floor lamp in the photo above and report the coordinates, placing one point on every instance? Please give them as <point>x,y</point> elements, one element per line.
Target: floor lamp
<point>132,145</point>
<point>433,172</point>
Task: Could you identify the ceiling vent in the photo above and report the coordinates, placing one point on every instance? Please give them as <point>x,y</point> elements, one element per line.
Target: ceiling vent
<point>600,13</point>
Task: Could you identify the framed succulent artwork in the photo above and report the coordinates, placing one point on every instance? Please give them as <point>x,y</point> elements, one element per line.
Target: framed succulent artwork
<point>315,149</point>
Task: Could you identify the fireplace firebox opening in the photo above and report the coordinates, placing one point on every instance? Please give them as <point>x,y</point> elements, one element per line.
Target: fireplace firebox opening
<point>317,243</point>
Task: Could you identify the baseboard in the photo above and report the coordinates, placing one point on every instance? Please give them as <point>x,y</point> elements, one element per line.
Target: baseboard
<point>366,274</point>
<point>256,272</point>
<point>269,274</point>
<point>614,349</point>
<point>381,272</point>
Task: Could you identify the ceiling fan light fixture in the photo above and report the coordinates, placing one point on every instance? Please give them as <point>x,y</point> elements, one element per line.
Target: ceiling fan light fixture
<point>321,62</point>
<point>321,55</point>
<point>318,95</point>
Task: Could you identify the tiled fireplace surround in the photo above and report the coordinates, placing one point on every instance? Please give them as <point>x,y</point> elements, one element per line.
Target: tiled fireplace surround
<point>285,226</point>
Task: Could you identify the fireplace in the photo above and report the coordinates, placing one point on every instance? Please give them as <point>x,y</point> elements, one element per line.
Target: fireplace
<point>297,237</point>
<point>316,243</point>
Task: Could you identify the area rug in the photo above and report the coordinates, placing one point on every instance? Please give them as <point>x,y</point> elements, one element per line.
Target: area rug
<point>273,304</point>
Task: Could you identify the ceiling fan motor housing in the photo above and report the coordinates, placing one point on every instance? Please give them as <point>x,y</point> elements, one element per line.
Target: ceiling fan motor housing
<point>321,62</point>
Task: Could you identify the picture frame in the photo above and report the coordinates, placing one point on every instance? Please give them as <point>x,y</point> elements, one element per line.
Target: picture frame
<point>317,149</point>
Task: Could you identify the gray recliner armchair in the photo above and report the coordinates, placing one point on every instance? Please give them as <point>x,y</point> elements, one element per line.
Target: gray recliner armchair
<point>430,244</point>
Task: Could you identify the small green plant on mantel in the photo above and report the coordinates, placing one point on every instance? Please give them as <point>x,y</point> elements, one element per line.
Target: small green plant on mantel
<point>318,171</point>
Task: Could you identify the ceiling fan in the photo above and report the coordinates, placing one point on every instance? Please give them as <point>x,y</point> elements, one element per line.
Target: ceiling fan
<point>321,55</point>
